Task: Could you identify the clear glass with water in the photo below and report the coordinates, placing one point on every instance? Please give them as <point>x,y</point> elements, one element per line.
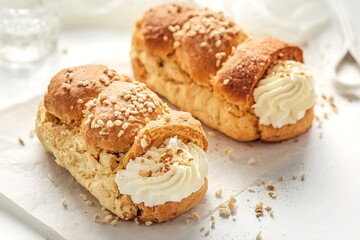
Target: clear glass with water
<point>28,31</point>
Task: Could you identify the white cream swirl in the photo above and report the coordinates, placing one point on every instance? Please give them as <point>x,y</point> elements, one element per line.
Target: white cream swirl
<point>284,95</point>
<point>164,174</point>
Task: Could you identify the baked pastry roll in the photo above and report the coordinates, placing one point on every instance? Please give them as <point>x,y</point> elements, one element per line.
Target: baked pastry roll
<point>120,141</point>
<point>246,87</point>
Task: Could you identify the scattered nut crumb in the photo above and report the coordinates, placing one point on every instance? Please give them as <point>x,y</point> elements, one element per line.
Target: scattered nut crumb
<point>249,189</point>
<point>224,211</point>
<point>50,177</point>
<point>228,151</point>
<point>218,193</point>
<point>268,208</point>
<point>89,203</point>
<point>251,161</point>
<point>148,223</point>
<point>293,177</point>
<point>21,142</point>
<point>271,213</point>
<point>64,203</point>
<point>108,218</point>
<point>114,222</point>
<point>259,210</point>
<point>202,229</point>
<point>272,195</point>
<point>83,197</point>
<point>195,216</point>
<point>97,218</point>
<point>136,221</point>
<point>302,177</point>
<point>281,178</point>
<point>207,232</point>
<point>258,236</point>
<point>232,204</point>
<point>270,187</point>
<point>212,218</point>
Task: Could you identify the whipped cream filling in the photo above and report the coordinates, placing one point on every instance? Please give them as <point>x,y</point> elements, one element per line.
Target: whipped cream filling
<point>168,173</point>
<point>284,95</point>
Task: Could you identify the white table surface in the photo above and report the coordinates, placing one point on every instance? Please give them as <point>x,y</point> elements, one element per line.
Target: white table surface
<point>14,228</point>
<point>331,193</point>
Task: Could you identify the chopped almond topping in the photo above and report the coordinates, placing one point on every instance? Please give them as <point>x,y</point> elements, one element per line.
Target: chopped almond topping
<point>144,173</point>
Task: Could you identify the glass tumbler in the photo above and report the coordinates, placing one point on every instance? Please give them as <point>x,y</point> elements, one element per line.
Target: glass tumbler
<point>29,31</point>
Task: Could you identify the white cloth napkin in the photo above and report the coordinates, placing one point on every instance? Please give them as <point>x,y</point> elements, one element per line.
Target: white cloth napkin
<point>294,21</point>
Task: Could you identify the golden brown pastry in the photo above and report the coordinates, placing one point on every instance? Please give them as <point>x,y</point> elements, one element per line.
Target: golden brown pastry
<point>248,88</point>
<point>122,143</point>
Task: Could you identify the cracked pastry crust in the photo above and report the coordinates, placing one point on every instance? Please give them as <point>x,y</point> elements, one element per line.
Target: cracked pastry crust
<point>204,64</point>
<point>92,133</point>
